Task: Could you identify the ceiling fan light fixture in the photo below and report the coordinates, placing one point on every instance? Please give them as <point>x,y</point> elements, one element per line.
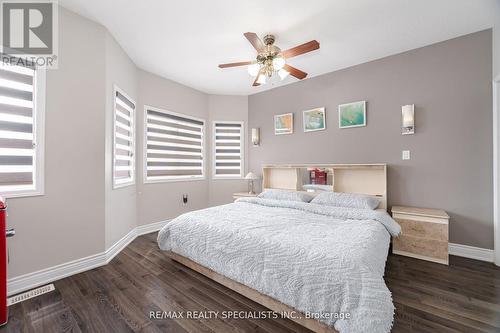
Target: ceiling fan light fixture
<point>278,63</point>
<point>271,60</point>
<point>261,79</point>
<point>253,70</point>
<point>283,73</point>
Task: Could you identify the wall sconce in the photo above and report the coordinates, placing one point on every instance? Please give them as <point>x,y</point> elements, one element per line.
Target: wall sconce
<point>408,119</point>
<point>256,137</point>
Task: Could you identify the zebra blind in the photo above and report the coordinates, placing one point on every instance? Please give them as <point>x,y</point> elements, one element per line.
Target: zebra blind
<point>174,146</point>
<point>228,149</point>
<point>18,149</point>
<point>124,141</point>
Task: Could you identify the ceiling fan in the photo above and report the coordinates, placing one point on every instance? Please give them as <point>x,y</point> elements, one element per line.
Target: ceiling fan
<point>270,59</point>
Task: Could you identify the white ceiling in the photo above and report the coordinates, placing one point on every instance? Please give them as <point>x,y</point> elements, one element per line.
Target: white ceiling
<point>185,40</point>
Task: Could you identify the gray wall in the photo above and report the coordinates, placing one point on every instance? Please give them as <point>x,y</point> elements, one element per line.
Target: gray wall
<point>496,76</point>
<point>451,152</point>
<point>80,213</point>
<point>225,108</point>
<point>67,223</point>
<point>121,203</point>
<point>496,43</point>
<point>161,201</point>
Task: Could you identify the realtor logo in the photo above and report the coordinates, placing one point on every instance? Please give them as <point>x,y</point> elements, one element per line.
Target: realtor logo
<point>29,30</point>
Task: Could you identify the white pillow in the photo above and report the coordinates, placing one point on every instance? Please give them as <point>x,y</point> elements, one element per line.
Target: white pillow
<point>285,195</point>
<point>349,200</point>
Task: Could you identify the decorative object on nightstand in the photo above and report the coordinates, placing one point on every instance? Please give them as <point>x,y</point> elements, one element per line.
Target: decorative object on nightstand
<point>424,233</point>
<point>243,195</point>
<point>251,177</point>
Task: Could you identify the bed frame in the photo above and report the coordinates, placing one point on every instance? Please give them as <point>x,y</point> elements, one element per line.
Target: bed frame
<point>270,303</point>
<point>370,179</point>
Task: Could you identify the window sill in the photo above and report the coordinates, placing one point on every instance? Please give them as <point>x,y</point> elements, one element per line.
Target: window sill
<point>13,195</point>
<point>227,178</point>
<point>156,181</point>
<point>122,185</point>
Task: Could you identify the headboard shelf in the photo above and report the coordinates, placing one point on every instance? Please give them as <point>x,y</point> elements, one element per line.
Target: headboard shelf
<point>337,166</point>
<point>369,179</point>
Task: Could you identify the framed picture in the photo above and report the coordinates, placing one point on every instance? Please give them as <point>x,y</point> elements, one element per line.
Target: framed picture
<point>352,114</point>
<point>283,124</point>
<point>314,120</point>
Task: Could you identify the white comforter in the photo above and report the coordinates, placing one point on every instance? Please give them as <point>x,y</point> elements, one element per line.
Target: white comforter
<point>314,258</point>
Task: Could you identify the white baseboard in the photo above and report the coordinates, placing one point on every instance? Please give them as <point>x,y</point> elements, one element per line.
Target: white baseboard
<point>471,252</point>
<point>117,247</point>
<point>31,280</point>
<point>149,228</point>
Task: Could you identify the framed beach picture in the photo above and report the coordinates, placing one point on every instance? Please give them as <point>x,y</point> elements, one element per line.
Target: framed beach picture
<point>314,120</point>
<point>352,114</point>
<point>283,124</point>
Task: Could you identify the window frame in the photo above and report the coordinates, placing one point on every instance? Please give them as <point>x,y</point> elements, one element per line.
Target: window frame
<point>131,181</point>
<point>241,175</point>
<point>39,98</point>
<point>166,179</point>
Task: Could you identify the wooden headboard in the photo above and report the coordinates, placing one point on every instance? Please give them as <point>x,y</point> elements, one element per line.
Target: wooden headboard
<point>369,179</point>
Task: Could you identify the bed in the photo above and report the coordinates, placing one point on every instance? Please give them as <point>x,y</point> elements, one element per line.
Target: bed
<point>324,263</point>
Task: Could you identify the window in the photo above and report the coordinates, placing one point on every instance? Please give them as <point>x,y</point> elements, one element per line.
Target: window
<point>124,140</point>
<point>174,146</point>
<point>22,99</point>
<point>228,149</point>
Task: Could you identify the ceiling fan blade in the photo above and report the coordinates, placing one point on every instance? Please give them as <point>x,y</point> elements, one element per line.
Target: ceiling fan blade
<point>255,41</point>
<point>236,64</point>
<point>295,72</point>
<point>301,49</point>
<point>255,83</point>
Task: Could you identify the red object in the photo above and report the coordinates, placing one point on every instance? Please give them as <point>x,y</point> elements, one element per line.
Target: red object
<point>3,264</point>
<point>318,177</point>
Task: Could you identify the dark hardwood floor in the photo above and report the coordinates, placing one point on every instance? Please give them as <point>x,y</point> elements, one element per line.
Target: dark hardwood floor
<point>462,297</point>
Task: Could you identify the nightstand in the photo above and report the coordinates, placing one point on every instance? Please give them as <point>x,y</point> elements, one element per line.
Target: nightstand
<point>243,195</point>
<point>424,233</point>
